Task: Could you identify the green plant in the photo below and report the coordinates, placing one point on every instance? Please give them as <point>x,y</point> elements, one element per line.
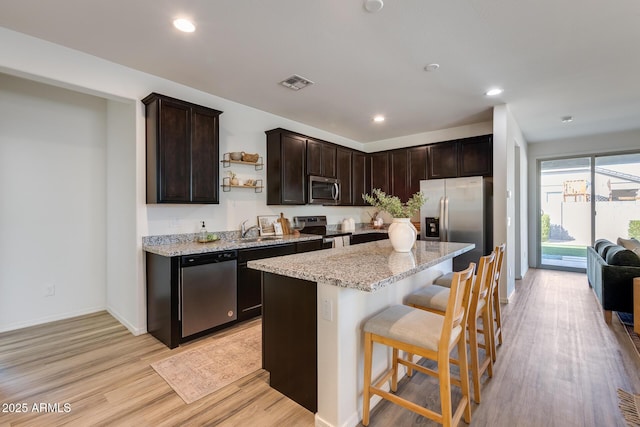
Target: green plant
<point>634,228</point>
<point>392,204</point>
<point>231,174</point>
<point>545,227</point>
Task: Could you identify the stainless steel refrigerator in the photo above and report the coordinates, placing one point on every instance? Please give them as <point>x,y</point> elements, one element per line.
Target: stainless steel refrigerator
<point>459,210</point>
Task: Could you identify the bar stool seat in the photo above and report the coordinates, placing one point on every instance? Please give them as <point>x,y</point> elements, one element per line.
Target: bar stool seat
<point>433,296</point>
<point>406,324</point>
<point>444,280</point>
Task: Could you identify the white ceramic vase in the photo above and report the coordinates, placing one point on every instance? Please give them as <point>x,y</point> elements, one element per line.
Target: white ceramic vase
<point>402,234</point>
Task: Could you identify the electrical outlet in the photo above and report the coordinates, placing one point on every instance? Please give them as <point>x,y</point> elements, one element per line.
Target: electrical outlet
<point>49,290</point>
<point>327,309</point>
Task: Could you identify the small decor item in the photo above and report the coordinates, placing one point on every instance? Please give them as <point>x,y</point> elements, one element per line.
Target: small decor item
<point>265,222</point>
<point>286,228</point>
<point>233,178</point>
<point>402,233</point>
<point>236,156</point>
<point>250,183</point>
<point>278,228</point>
<point>251,158</point>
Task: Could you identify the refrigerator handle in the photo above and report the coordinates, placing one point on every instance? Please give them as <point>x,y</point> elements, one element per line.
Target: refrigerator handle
<point>443,229</point>
<point>446,218</point>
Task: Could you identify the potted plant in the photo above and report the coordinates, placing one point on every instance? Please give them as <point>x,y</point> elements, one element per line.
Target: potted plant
<point>402,233</point>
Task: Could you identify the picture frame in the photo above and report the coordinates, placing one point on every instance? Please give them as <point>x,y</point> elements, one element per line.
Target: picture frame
<point>266,224</point>
<point>278,228</point>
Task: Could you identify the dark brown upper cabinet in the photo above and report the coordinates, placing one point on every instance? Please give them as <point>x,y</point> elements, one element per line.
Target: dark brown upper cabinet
<point>476,156</point>
<point>462,157</point>
<point>361,177</point>
<point>408,167</point>
<point>399,173</point>
<point>443,160</point>
<point>321,159</point>
<point>286,168</point>
<point>380,171</point>
<point>417,158</point>
<point>344,174</point>
<point>182,151</point>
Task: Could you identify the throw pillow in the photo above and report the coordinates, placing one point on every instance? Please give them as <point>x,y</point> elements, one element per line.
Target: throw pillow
<point>628,243</point>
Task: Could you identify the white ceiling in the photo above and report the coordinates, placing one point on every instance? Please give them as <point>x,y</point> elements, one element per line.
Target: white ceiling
<point>553,57</point>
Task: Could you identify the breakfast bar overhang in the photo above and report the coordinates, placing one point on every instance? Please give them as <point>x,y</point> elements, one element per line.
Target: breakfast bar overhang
<point>314,306</point>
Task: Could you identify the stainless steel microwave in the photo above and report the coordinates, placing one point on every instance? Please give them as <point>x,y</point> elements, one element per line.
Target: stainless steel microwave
<point>324,191</point>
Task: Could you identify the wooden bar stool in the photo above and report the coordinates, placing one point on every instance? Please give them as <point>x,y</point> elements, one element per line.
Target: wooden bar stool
<point>428,335</point>
<point>430,299</point>
<point>496,315</point>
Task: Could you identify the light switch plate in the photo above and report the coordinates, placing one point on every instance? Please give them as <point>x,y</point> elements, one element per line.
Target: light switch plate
<point>327,309</point>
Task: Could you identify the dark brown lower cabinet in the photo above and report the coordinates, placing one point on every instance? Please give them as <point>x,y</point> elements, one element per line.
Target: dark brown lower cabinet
<point>250,280</point>
<point>249,285</point>
<point>289,337</point>
<point>367,237</point>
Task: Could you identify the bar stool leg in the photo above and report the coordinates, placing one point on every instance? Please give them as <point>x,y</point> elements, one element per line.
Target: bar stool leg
<point>366,395</point>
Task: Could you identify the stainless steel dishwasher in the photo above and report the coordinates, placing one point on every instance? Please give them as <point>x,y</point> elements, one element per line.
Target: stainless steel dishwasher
<point>208,291</point>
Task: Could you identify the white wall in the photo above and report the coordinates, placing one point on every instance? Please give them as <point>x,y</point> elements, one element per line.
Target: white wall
<point>506,136</point>
<point>585,145</point>
<point>122,245</point>
<point>128,218</point>
<point>53,192</point>
<point>449,134</point>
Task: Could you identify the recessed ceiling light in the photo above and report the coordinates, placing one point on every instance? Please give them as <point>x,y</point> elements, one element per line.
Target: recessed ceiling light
<point>432,67</point>
<point>567,119</point>
<point>378,119</point>
<point>494,92</point>
<point>184,25</point>
<point>373,6</point>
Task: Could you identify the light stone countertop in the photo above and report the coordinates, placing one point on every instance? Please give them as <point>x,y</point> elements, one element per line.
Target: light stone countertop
<point>186,244</point>
<point>367,267</point>
<point>178,248</point>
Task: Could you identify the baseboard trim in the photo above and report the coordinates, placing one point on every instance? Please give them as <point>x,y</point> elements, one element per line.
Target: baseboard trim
<point>134,330</point>
<point>49,319</point>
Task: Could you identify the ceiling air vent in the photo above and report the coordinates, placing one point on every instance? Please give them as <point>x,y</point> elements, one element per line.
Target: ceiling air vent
<point>296,82</point>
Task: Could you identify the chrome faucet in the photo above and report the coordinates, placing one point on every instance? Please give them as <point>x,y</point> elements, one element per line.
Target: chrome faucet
<point>244,230</point>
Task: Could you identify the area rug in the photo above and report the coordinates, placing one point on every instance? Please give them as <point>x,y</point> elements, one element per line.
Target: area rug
<point>630,406</point>
<point>196,373</point>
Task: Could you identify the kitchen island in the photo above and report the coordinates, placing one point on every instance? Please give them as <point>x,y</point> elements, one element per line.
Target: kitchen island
<point>314,306</point>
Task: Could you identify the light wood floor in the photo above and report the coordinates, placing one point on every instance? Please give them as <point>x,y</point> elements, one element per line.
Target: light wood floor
<point>560,366</point>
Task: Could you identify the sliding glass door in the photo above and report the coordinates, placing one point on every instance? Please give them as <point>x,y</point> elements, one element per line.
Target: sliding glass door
<point>565,217</point>
<point>583,199</point>
<point>617,197</point>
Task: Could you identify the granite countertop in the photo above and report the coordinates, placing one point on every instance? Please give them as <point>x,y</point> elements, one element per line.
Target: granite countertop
<point>367,267</point>
<point>189,246</point>
<point>186,244</point>
<point>368,229</point>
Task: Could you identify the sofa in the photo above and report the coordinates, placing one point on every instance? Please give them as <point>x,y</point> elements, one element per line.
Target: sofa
<point>611,268</point>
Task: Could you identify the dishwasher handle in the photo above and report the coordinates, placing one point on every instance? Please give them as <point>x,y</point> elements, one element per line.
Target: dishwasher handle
<point>208,258</point>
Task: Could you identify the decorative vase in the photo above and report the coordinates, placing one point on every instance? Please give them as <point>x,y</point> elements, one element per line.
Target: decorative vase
<point>235,181</point>
<point>402,234</point>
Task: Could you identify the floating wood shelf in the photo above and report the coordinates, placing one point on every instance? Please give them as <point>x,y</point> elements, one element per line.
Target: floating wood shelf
<point>227,186</point>
<point>226,162</point>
